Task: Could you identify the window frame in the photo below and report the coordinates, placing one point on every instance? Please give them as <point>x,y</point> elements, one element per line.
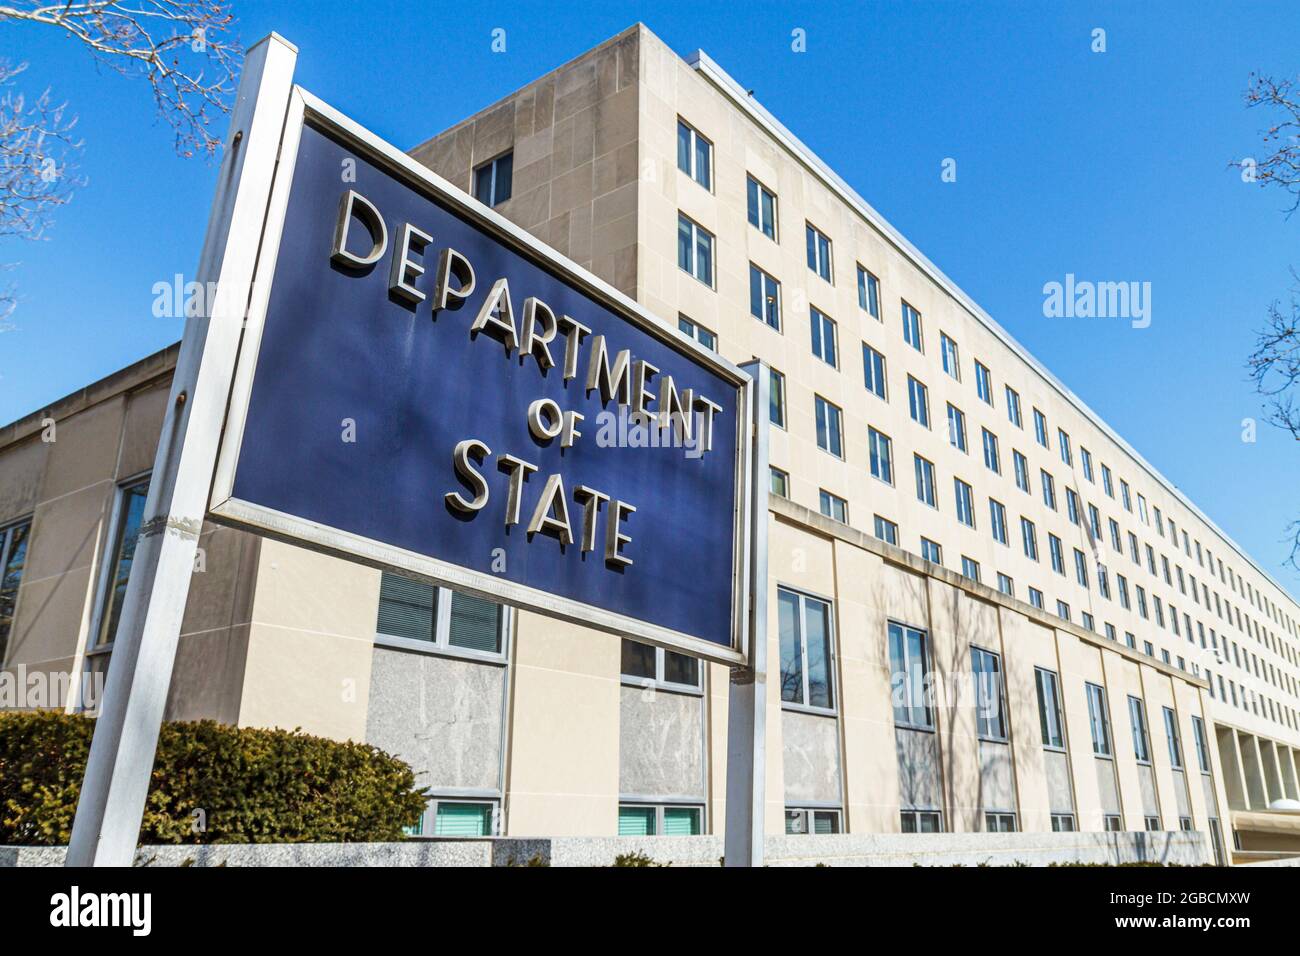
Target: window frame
<point>1044,718</point>
<point>440,646</point>
<point>6,543</point>
<point>869,292</point>
<point>96,646</point>
<point>818,239</point>
<point>832,688</point>
<point>767,283</point>
<point>1004,731</point>
<point>695,230</point>
<point>810,812</point>
<point>694,139</point>
<point>659,806</point>
<point>839,426</point>
<point>762,190</point>
<point>493,164</point>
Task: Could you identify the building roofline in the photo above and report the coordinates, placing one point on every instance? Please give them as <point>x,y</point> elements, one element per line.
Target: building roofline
<point>703,64</point>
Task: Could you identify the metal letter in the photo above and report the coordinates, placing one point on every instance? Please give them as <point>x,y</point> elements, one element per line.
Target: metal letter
<point>518,470</point>
<point>451,264</point>
<point>354,202</point>
<point>465,469</point>
<point>532,343</point>
<point>552,497</point>
<point>615,539</point>
<point>405,270</point>
<point>574,332</point>
<point>590,500</point>
<point>501,326</point>
<point>613,381</point>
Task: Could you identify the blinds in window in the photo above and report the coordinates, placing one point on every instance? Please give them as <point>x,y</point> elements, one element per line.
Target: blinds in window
<point>636,821</point>
<point>824,823</point>
<point>406,608</point>
<point>681,821</point>
<point>464,819</point>
<point>475,624</point>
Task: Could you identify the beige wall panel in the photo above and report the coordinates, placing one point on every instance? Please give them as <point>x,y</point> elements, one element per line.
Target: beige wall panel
<point>85,450</point>
<point>23,468</point>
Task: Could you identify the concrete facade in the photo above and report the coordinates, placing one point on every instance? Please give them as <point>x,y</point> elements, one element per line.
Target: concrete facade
<point>550,732</point>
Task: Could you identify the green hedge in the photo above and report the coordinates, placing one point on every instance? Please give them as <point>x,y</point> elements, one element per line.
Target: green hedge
<point>252,785</point>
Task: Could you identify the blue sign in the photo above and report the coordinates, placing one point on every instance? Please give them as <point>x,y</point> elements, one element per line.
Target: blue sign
<point>435,392</point>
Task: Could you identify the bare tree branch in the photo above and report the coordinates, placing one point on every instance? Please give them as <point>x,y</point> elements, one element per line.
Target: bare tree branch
<point>1275,363</point>
<point>1282,166</point>
<point>35,145</point>
<point>180,47</point>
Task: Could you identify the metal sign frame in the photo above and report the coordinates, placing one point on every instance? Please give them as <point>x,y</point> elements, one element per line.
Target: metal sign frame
<point>306,109</point>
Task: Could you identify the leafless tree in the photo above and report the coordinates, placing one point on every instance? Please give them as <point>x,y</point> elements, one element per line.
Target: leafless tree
<point>1275,363</point>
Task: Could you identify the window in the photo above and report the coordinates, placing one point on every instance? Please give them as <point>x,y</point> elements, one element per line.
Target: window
<point>417,615</point>
<point>1049,488</point>
<point>698,332</point>
<point>762,207</point>
<point>811,821</point>
<point>1013,407</point>
<point>1081,568</point>
<point>868,293</point>
<point>833,506</point>
<point>640,819</point>
<point>912,328</point>
<point>1202,747</point>
<point>909,664</point>
<point>458,818</point>
<point>986,671</point>
<point>1054,549</point>
<point>886,530</point>
<point>998,521</point>
<point>1124,495</point>
<point>695,250</point>
<point>1089,621</point>
<point>1000,822</point>
<point>965,503</point>
<point>1099,719</point>
<point>764,297</point>
<point>970,568</point>
<point>1062,610</point>
<point>882,455</point>
<point>694,155</point>
<point>1036,598</point>
<point>918,401</point>
<point>1137,716</point>
<point>1107,482</point>
<point>1085,457</point>
<point>1040,428</point>
<point>1072,505</point>
<point>992,457</point>
<point>1049,709</point>
<point>1112,823</point>
<point>931,551</point>
<point>823,337</point>
<point>924,480</point>
<point>983,383</point>
<point>127,518</point>
<point>1006,585</point>
<point>830,433</point>
<point>13,559</point>
<point>957,427</point>
<point>1063,823</point>
<point>806,655</point>
<point>1063,440</point>
<point>819,252</point>
<point>922,821</point>
<point>1021,466</point>
<point>1171,735</point>
<point>1152,823</point>
<point>873,371</point>
<point>776,399</point>
<point>493,180</point>
<point>949,356</point>
<point>780,483</point>
<point>1029,535</point>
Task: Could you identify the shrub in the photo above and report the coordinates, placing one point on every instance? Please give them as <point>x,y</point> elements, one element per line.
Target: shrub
<point>212,783</point>
<point>635,858</point>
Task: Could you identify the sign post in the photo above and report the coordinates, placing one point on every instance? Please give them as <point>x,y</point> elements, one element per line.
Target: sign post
<point>747,694</point>
<point>111,804</point>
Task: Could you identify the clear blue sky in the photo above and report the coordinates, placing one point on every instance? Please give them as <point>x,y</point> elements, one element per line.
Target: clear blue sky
<point>1110,166</point>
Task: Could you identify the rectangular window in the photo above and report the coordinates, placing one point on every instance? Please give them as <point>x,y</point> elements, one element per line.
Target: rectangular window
<point>1124,496</point>
<point>1072,505</point>
<point>992,457</point>
<point>1040,428</point>
<point>949,356</point>
<point>834,507</point>
<point>694,155</point>
<point>1006,585</point>
<point>1081,568</point>
<point>761,203</point>
<point>924,480</point>
<point>776,399</point>
<point>912,328</point>
<point>986,671</point>
<point>998,521</point>
<point>918,402</point>
<point>1112,823</point>
<point>882,455</point>
<point>1000,822</point>
<point>1085,457</point>
<point>1063,440</point>
<point>1021,465</point>
<point>764,297</point>
<point>1152,823</point>
<point>128,518</point>
<point>1013,407</point>
<point>921,821</point>
<point>1049,488</point>
<point>957,427</point>
<point>830,429</point>
<point>909,664</point>
<point>1036,598</point>
<point>819,252</point>
<point>1062,610</point>
<point>1107,482</point>
<point>886,530</point>
<point>931,551</point>
<point>1175,742</point>
<point>806,650</point>
<point>695,250</point>
<point>639,819</point>
<point>1029,536</point>
<point>868,293</point>
<point>1137,716</point>
<point>965,503</point>
<point>873,371</point>
<point>461,818</point>
<point>438,618</point>
<point>1063,823</point>
<point>13,559</point>
<point>823,337</point>
<point>970,568</point>
<point>493,181</point>
<point>698,332</point>
<point>1099,719</point>
<point>1049,709</point>
<point>780,484</point>
<point>1054,549</point>
<point>811,821</point>
<point>983,383</point>
<point>1202,747</point>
